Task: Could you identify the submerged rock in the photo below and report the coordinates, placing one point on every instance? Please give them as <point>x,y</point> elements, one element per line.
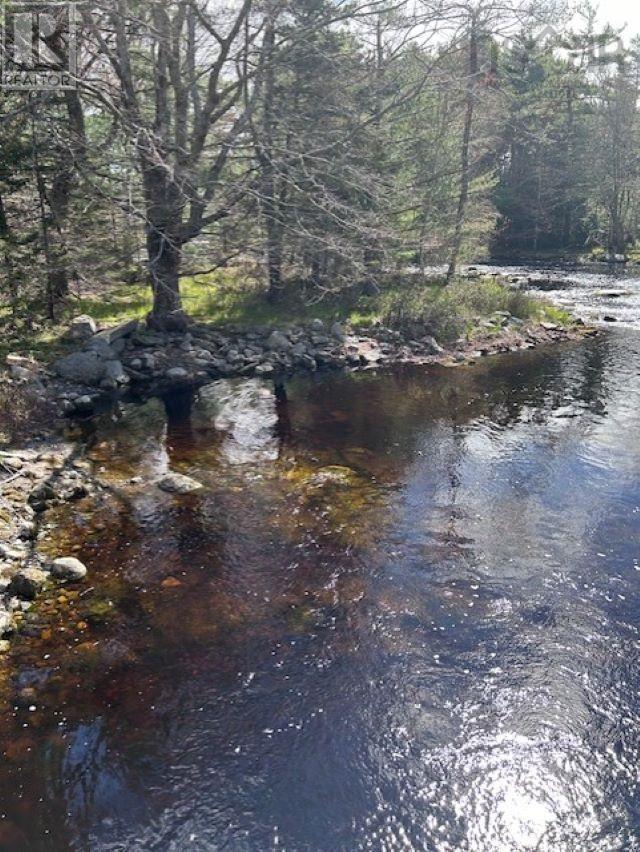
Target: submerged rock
<point>27,583</point>
<point>178,483</point>
<point>68,568</point>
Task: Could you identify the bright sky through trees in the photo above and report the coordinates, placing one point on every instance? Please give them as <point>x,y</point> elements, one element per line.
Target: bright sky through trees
<point>621,12</point>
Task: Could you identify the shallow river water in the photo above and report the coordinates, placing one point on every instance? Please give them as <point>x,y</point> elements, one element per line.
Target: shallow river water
<point>402,615</point>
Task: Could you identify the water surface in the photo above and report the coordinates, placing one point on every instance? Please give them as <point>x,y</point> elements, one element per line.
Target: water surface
<point>401,615</point>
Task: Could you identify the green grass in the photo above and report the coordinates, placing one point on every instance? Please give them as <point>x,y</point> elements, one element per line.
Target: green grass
<point>228,298</point>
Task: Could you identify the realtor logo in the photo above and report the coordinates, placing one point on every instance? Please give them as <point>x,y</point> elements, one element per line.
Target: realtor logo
<point>38,48</point>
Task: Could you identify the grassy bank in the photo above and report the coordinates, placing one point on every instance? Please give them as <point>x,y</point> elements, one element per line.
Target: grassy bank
<point>227,298</point>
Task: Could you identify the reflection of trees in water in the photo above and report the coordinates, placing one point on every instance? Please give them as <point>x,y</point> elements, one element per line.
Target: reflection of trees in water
<point>245,413</point>
<point>178,408</point>
<point>265,562</point>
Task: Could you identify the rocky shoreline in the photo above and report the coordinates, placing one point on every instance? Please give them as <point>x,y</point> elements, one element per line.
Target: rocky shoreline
<point>132,361</point>
<point>35,480</point>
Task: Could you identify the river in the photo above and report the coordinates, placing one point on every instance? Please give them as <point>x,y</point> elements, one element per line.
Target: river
<point>403,614</point>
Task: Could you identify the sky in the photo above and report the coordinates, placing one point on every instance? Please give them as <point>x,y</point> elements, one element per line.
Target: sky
<point>620,12</point>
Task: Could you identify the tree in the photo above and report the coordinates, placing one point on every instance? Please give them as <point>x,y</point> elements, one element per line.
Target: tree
<point>177,80</point>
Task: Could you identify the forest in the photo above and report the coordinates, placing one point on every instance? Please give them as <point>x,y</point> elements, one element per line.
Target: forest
<point>312,145</point>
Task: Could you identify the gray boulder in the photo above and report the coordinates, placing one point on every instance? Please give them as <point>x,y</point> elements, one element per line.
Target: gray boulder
<point>21,368</point>
<point>178,483</point>
<point>177,374</point>
<point>125,329</point>
<point>432,346</point>
<point>278,342</point>
<point>115,371</point>
<point>338,331</point>
<point>86,368</point>
<point>68,568</point>
<point>101,348</point>
<point>82,328</point>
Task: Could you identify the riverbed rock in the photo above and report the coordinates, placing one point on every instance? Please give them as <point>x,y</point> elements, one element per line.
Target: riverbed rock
<point>42,496</point>
<point>178,483</point>
<point>68,568</point>
<point>27,583</point>
<point>83,404</point>
<point>265,369</point>
<point>27,530</point>
<point>177,374</point>
<point>7,626</point>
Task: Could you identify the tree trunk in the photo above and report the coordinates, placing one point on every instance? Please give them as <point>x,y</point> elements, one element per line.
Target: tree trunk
<point>5,239</point>
<point>164,247</point>
<point>68,157</point>
<point>165,257</point>
<point>465,178</point>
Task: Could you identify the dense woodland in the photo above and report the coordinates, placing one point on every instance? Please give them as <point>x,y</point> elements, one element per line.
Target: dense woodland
<point>314,144</point>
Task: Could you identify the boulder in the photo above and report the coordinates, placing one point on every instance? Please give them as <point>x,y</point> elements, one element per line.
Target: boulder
<point>27,583</point>
<point>86,368</point>
<point>278,342</point>
<point>41,497</point>
<point>317,325</point>
<point>101,348</point>
<point>177,374</point>
<point>27,531</point>
<point>21,374</point>
<point>22,369</point>
<point>115,371</point>
<point>338,331</point>
<point>178,483</point>
<point>125,329</point>
<point>68,568</point>
<point>7,623</point>
<point>432,346</point>
<point>84,404</point>
<point>82,328</point>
